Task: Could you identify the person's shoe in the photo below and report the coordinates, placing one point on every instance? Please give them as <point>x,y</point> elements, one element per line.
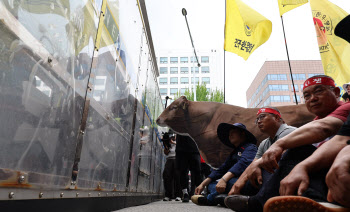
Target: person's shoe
<point>199,200</point>
<point>238,203</point>
<point>166,199</point>
<point>220,199</point>
<point>186,198</point>
<point>298,203</point>
<point>178,199</point>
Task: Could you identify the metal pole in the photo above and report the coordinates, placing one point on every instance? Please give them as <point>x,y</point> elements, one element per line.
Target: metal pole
<point>184,13</point>
<point>290,69</point>
<point>224,76</point>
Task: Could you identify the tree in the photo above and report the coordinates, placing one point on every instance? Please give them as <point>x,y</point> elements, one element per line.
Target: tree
<point>203,94</point>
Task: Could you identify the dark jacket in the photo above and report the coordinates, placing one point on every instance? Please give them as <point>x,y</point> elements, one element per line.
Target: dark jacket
<point>186,144</point>
<point>237,162</point>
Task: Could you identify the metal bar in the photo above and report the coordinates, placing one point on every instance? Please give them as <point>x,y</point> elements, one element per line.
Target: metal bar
<point>290,69</point>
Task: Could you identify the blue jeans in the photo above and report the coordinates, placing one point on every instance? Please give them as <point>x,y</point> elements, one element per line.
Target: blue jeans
<point>212,189</point>
<point>317,189</point>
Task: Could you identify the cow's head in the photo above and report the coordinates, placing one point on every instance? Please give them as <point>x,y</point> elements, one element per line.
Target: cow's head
<point>175,115</point>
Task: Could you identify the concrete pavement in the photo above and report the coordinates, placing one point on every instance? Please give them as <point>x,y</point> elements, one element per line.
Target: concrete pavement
<point>173,206</point>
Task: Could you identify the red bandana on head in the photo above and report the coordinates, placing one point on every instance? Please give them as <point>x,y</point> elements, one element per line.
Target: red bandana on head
<point>319,81</point>
<point>269,110</point>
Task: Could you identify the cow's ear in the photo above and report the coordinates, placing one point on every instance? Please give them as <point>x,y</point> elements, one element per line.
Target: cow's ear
<point>184,105</point>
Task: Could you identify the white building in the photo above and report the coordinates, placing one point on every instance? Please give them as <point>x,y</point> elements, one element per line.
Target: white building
<point>176,71</point>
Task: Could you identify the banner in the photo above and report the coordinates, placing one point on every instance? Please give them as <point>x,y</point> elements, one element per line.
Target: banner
<point>245,29</point>
<point>288,7</point>
<point>294,2</point>
<point>334,50</point>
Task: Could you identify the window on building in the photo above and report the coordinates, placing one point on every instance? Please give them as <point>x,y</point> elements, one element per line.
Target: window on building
<point>266,91</point>
<point>267,102</point>
<point>163,91</point>
<point>193,60</point>
<point>295,86</point>
<point>249,101</point>
<point>184,59</point>
<point>205,59</point>
<point>184,70</point>
<point>282,98</point>
<point>196,69</point>
<point>299,77</point>
<point>163,70</point>
<point>163,100</point>
<point>174,70</point>
<point>183,90</point>
<point>278,87</point>
<point>173,91</point>
<point>277,76</point>
<point>163,60</point>
<point>301,87</point>
<point>174,59</point>
<point>163,81</point>
<point>174,80</point>
<point>311,75</point>
<point>205,69</point>
<point>298,98</point>
<point>184,80</point>
<point>196,82</point>
<point>206,80</point>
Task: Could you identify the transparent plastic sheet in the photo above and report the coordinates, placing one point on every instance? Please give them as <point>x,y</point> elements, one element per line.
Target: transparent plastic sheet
<point>45,66</point>
<point>48,66</point>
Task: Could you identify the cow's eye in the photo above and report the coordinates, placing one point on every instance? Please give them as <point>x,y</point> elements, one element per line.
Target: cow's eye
<point>174,108</point>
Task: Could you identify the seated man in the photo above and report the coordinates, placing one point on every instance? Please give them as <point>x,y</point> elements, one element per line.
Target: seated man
<point>322,99</point>
<point>270,122</point>
<point>334,154</point>
<point>220,181</point>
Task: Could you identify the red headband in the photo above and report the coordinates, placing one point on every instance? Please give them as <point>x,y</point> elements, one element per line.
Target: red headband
<point>268,110</point>
<point>320,81</point>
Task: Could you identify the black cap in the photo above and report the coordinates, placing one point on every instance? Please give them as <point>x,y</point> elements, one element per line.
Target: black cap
<point>224,132</point>
<point>166,137</point>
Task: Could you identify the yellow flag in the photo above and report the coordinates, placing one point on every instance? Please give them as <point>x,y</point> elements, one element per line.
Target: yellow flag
<point>245,29</point>
<point>288,7</point>
<point>294,2</point>
<point>335,52</point>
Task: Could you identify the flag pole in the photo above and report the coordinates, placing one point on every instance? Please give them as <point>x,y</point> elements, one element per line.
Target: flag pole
<point>290,69</point>
<point>224,75</point>
<point>225,58</point>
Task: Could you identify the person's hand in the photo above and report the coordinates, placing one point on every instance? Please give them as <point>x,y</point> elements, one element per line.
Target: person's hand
<point>199,189</point>
<point>237,187</point>
<point>254,173</point>
<point>166,151</point>
<point>296,181</point>
<point>338,178</point>
<point>221,186</point>
<point>271,157</point>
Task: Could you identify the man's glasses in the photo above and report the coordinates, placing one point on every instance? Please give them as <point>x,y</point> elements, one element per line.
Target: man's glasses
<point>260,118</point>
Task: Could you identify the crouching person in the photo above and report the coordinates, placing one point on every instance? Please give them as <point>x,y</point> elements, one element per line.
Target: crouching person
<point>220,181</point>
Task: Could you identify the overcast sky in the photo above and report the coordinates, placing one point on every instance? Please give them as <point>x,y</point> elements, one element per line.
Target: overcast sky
<point>207,20</point>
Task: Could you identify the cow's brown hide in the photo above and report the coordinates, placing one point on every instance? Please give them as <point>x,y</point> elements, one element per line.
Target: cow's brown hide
<point>201,119</point>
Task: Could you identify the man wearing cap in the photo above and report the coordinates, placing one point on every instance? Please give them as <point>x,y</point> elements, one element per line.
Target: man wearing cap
<point>270,122</point>
<point>322,99</point>
<point>220,181</point>
<point>346,95</point>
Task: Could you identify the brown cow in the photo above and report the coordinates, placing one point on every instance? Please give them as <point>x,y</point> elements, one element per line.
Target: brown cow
<point>201,119</point>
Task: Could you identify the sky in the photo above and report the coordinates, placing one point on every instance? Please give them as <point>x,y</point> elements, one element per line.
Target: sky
<point>206,19</point>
